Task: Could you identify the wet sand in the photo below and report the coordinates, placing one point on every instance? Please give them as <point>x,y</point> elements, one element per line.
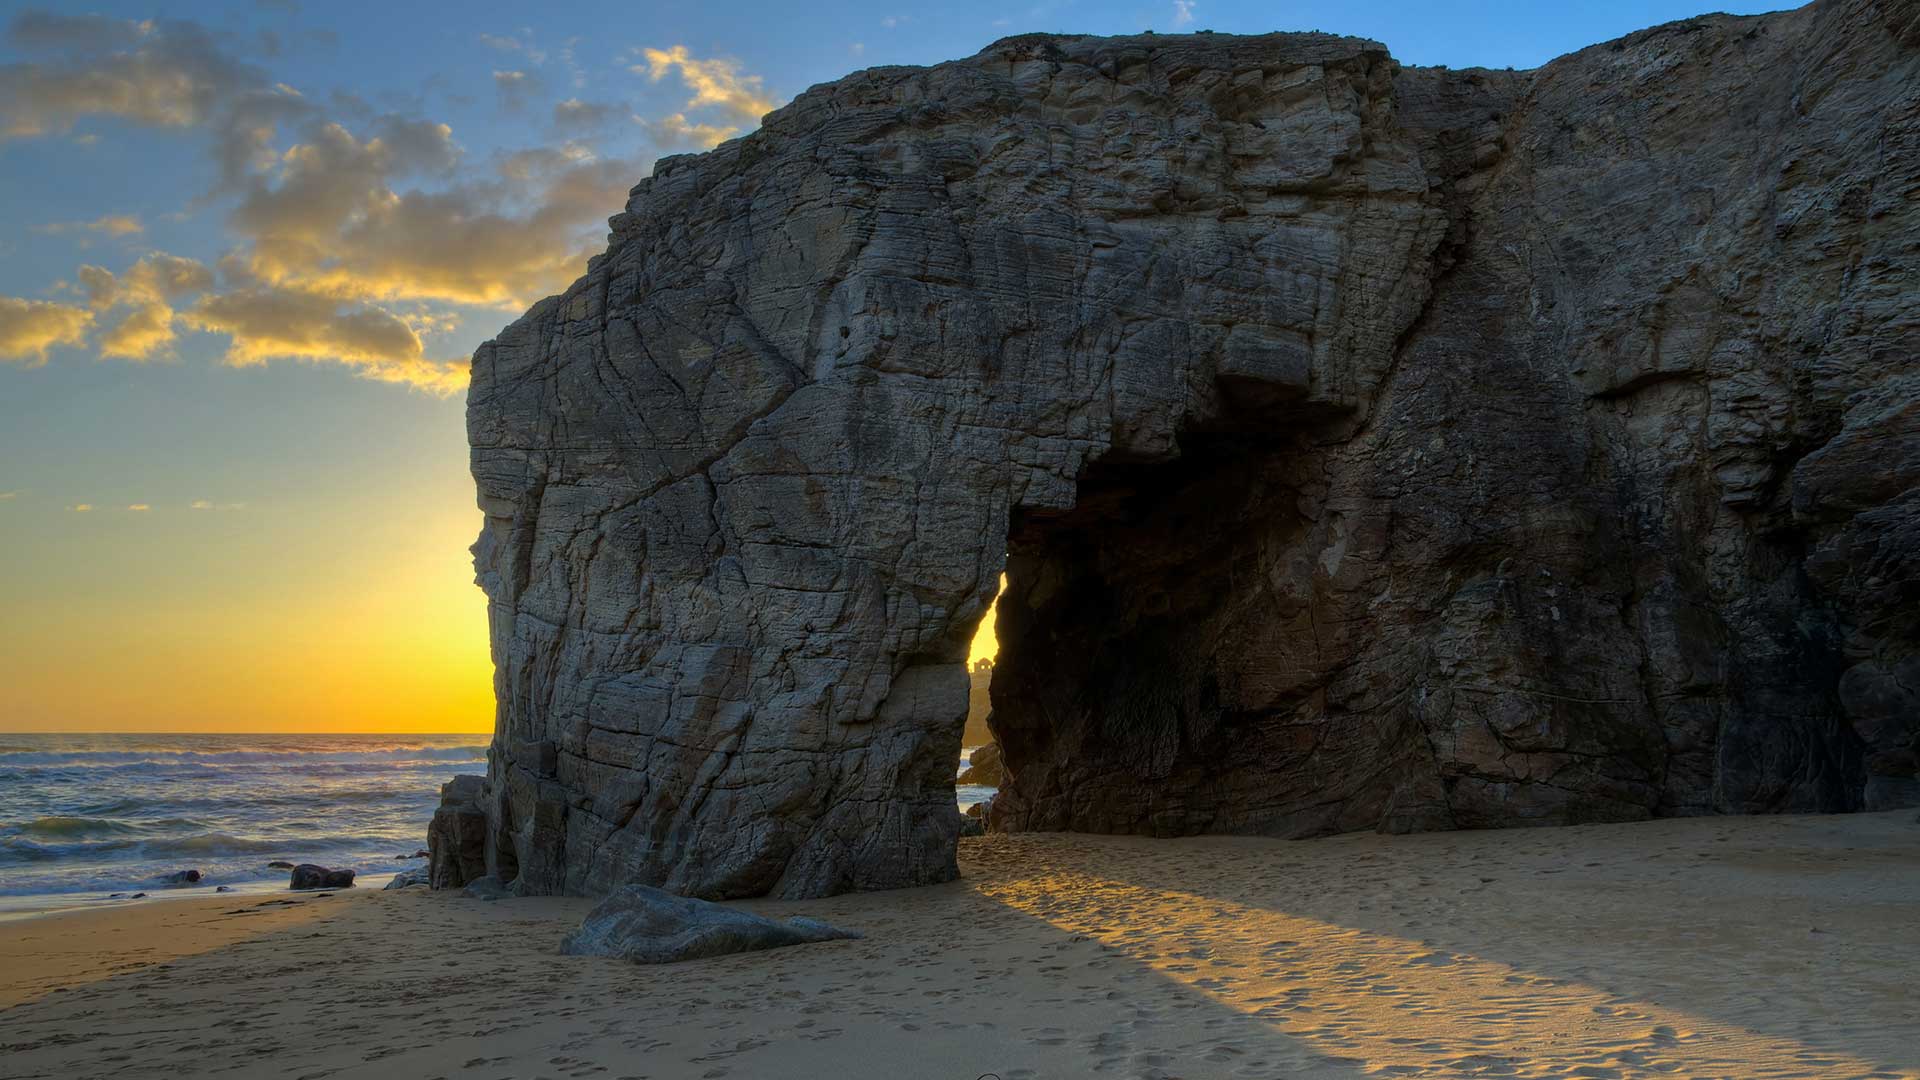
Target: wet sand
<point>1723,947</point>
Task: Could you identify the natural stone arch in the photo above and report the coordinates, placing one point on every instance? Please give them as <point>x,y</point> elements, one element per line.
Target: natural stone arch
<point>748,482</point>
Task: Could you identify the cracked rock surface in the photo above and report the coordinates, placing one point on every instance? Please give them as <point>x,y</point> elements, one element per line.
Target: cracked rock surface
<point>1367,446</point>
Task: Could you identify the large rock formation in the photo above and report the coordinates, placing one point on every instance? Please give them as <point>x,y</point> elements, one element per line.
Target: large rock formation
<point>1367,446</point>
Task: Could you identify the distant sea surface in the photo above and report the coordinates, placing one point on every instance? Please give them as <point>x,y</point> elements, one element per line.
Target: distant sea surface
<point>91,815</point>
<point>86,816</point>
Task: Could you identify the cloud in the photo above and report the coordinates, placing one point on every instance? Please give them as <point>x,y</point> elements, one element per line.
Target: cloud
<point>8,495</point>
<point>156,276</point>
<point>358,226</point>
<point>1182,12</point>
<point>715,82</point>
<point>28,328</point>
<point>110,225</point>
<point>677,132</point>
<point>576,74</point>
<point>81,508</point>
<point>575,118</point>
<point>139,508</point>
<point>145,333</point>
<point>268,323</point>
<point>148,287</point>
<point>521,43</point>
<point>334,224</point>
<point>514,88</point>
<point>209,504</point>
<point>161,74</point>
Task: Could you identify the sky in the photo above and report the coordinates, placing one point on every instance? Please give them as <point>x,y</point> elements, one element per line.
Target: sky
<point>246,249</point>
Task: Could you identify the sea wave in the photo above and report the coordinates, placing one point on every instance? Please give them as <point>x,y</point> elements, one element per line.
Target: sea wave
<point>74,827</point>
<point>206,845</point>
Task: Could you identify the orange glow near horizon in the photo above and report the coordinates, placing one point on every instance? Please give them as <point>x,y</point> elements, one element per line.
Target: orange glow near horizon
<point>986,642</point>
<point>276,626</point>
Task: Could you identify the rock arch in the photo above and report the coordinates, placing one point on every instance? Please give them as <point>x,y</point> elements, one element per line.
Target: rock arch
<point>1374,447</point>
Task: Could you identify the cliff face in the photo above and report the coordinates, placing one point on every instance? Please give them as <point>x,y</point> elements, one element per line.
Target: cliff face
<point>1366,446</point>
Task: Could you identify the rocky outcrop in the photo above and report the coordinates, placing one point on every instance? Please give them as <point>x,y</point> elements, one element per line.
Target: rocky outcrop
<point>457,835</point>
<point>649,926</point>
<point>985,767</point>
<point>313,876</point>
<point>1366,446</point>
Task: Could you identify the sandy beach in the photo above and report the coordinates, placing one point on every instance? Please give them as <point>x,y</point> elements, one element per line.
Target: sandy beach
<point>1704,947</point>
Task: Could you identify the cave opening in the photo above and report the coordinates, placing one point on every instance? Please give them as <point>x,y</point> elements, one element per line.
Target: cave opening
<point>1155,648</point>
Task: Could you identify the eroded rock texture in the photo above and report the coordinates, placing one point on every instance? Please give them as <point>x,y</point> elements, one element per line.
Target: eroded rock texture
<point>1367,446</point>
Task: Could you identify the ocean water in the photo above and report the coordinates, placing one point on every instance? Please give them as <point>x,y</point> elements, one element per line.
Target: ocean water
<point>86,816</point>
<point>968,794</point>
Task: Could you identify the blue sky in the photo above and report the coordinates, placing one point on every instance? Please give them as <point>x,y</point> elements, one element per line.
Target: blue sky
<point>245,249</point>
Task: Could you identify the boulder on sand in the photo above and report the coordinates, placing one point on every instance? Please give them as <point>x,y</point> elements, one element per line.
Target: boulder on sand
<point>652,926</point>
<point>310,876</point>
<point>486,887</point>
<point>406,879</point>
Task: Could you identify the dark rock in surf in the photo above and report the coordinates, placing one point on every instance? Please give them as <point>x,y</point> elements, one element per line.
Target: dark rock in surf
<point>457,836</point>
<point>181,877</point>
<point>311,876</point>
<point>985,767</point>
<point>651,926</point>
<point>279,864</point>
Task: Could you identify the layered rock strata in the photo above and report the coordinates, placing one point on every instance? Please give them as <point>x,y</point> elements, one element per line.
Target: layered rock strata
<point>1367,446</point>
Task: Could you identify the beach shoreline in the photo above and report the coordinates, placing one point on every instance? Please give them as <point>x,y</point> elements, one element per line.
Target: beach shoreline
<point>1724,946</point>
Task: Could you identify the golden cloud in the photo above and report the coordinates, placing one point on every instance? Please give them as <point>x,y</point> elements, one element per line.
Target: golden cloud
<point>110,225</point>
<point>149,286</point>
<point>334,224</point>
<point>714,82</point>
<point>677,131</point>
<point>351,238</point>
<point>28,328</point>
<point>269,323</point>
<point>146,332</point>
<point>157,276</point>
